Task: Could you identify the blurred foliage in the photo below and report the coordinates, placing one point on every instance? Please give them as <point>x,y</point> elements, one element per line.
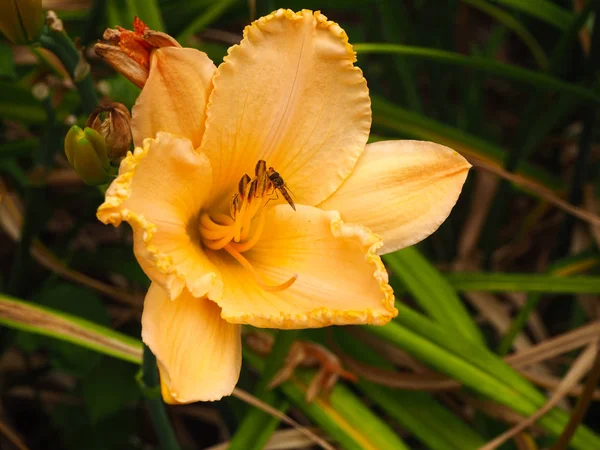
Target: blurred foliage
<point>512,85</point>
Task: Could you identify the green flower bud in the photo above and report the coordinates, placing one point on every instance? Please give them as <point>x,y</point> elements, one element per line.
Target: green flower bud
<point>86,152</point>
<point>21,21</point>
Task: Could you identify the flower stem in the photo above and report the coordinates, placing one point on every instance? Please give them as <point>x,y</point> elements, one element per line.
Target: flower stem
<point>156,407</point>
<point>55,39</point>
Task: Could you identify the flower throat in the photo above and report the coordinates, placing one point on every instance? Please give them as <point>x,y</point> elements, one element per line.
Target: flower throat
<point>238,232</point>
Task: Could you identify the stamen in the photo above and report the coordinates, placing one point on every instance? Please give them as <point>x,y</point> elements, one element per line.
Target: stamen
<point>246,265</point>
<point>218,245</point>
<point>224,218</point>
<point>245,246</point>
<point>243,185</point>
<point>210,224</point>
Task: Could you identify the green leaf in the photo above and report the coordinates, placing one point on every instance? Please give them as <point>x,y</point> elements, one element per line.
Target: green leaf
<point>78,432</point>
<point>79,302</point>
<point>477,368</point>
<point>19,104</point>
<point>109,387</point>
<point>544,10</point>
<point>433,292</point>
<point>53,323</point>
<point>523,282</point>
<point>343,416</point>
<point>211,14</point>
<point>7,62</point>
<point>257,426</point>
<point>122,13</point>
<point>510,22</point>
<point>538,80</point>
<point>418,412</point>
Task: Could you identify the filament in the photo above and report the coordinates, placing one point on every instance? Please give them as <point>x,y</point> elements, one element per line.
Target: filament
<point>247,245</point>
<point>246,265</point>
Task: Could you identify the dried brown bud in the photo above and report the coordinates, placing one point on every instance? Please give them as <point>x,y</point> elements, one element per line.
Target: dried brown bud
<point>112,121</point>
<point>121,62</point>
<point>129,52</point>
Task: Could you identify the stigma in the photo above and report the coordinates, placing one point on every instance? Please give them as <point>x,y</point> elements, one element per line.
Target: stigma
<point>241,229</point>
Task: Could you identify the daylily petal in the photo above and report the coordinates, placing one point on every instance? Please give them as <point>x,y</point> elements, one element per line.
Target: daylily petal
<point>160,191</point>
<point>199,354</point>
<point>340,280</point>
<point>401,190</point>
<point>175,95</point>
<point>288,94</point>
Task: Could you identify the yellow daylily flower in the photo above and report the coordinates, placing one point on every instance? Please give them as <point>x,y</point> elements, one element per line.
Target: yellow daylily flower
<point>216,149</point>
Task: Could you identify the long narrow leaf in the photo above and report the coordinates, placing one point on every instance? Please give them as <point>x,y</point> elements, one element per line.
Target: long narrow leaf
<point>518,282</point>
<point>544,10</point>
<point>532,78</point>
<point>49,322</point>
<point>477,368</point>
<point>433,292</point>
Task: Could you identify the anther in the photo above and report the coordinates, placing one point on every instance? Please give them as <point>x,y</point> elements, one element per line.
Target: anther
<point>261,168</point>
<point>243,185</point>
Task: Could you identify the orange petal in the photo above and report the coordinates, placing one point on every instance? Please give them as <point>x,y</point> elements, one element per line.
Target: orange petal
<point>199,354</point>
<point>401,190</point>
<point>288,94</point>
<point>175,95</point>
<point>340,280</point>
<point>160,191</point>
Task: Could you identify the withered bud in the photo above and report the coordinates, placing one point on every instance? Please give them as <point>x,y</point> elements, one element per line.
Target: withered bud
<point>112,121</point>
<point>129,52</point>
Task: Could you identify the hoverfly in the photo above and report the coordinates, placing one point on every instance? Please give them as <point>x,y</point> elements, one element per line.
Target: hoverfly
<point>275,180</point>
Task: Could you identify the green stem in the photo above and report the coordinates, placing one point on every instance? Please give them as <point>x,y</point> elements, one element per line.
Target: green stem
<point>63,47</point>
<point>518,323</point>
<point>156,407</point>
<point>257,426</point>
<point>95,16</point>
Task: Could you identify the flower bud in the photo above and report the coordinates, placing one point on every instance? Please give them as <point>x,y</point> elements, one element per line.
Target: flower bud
<point>129,52</point>
<point>21,21</point>
<point>86,152</point>
<point>112,121</point>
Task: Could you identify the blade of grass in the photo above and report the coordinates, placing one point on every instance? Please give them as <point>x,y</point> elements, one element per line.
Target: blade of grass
<point>48,322</point>
<point>538,80</point>
<point>418,412</point>
<point>582,405</point>
<point>433,292</point>
<point>149,12</point>
<point>543,10</point>
<point>476,367</point>
<point>560,270</point>
<point>344,417</point>
<point>510,22</point>
<point>156,407</point>
<point>529,135</point>
<point>23,316</point>
<point>201,22</point>
<point>392,13</point>
<point>520,282</point>
<point>257,427</point>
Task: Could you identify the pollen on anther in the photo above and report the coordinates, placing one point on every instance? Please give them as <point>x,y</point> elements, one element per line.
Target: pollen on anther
<point>243,185</point>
